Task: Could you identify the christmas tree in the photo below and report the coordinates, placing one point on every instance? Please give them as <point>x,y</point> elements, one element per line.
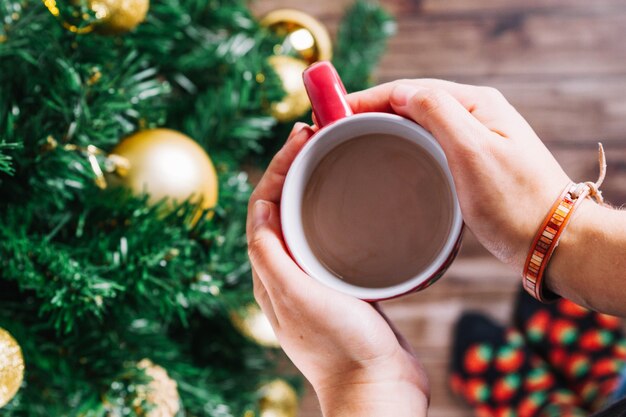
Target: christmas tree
<point>124,130</point>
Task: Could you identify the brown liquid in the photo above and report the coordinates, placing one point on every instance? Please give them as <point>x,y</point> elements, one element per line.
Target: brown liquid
<point>377,210</point>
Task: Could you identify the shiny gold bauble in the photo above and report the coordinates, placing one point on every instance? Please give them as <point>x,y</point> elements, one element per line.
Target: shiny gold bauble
<point>11,367</point>
<point>296,102</point>
<point>161,392</point>
<point>278,399</point>
<point>165,163</point>
<point>118,16</point>
<point>253,324</point>
<point>303,34</point>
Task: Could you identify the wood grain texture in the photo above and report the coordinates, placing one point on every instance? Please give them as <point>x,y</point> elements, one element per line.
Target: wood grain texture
<point>511,44</point>
<point>562,63</point>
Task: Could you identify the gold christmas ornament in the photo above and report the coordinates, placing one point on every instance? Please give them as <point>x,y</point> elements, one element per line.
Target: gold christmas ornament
<point>118,16</point>
<point>296,102</point>
<point>278,399</point>
<point>165,163</point>
<point>11,367</point>
<point>252,323</point>
<point>302,34</point>
<point>161,392</point>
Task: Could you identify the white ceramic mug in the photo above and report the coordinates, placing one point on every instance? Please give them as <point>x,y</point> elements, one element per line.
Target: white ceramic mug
<point>337,125</point>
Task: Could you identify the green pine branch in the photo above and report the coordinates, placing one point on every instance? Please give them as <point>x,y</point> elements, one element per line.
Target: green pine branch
<point>93,281</point>
<point>361,41</point>
<point>5,158</point>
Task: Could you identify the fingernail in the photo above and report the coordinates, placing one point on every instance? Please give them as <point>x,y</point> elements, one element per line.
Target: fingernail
<point>305,132</point>
<point>308,129</point>
<point>261,213</point>
<point>297,128</point>
<point>401,95</point>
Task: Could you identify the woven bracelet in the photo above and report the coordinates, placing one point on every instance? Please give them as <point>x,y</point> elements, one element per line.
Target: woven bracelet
<point>547,238</point>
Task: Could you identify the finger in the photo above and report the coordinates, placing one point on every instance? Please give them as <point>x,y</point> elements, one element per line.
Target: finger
<point>297,127</point>
<point>437,111</point>
<point>262,298</point>
<point>487,104</point>
<point>374,99</point>
<point>377,98</point>
<point>283,279</point>
<point>401,339</point>
<point>404,343</point>
<point>270,187</point>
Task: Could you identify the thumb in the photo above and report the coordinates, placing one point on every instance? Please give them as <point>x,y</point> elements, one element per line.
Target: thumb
<point>269,256</point>
<point>286,284</point>
<point>439,113</point>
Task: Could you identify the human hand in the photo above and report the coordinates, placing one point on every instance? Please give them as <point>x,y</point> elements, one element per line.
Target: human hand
<point>347,349</point>
<point>505,177</point>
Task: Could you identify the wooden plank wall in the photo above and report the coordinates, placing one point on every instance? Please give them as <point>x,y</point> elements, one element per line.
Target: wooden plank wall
<point>562,63</point>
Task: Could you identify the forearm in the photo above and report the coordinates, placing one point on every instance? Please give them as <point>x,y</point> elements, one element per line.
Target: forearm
<point>376,399</point>
<point>589,265</point>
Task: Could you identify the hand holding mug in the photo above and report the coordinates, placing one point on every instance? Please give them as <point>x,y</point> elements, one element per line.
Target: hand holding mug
<point>505,177</point>
<point>356,362</point>
<point>507,180</point>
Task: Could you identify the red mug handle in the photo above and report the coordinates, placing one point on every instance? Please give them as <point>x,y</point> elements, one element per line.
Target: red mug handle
<point>326,93</point>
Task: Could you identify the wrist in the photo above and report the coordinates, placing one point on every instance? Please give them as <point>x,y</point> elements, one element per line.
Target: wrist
<point>356,399</point>
<point>568,270</point>
<point>364,392</point>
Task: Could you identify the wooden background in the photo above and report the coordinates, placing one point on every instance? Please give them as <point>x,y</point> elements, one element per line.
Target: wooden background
<point>562,63</point>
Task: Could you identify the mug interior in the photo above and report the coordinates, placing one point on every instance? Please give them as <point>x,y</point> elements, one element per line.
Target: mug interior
<point>305,163</point>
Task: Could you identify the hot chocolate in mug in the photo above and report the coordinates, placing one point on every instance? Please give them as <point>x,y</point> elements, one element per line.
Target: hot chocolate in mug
<point>368,206</point>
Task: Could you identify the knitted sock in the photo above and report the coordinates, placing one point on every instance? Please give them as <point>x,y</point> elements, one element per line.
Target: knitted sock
<point>587,348</point>
<point>498,375</point>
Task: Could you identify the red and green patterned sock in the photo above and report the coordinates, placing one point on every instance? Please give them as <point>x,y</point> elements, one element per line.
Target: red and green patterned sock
<point>499,376</point>
<point>587,348</point>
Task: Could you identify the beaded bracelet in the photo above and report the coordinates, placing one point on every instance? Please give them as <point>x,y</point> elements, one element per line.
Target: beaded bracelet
<point>547,238</point>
